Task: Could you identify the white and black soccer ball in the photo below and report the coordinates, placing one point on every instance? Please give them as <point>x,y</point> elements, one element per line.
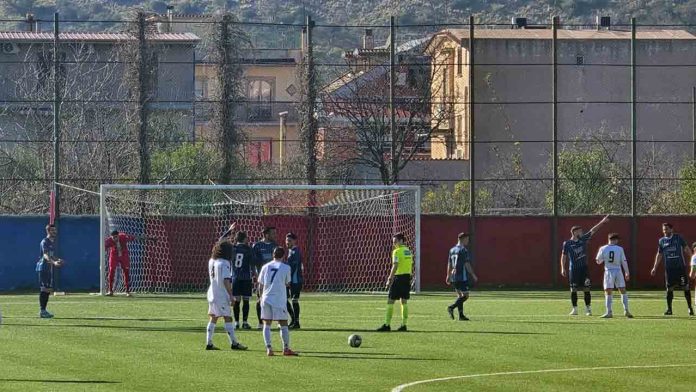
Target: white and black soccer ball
<point>354,340</point>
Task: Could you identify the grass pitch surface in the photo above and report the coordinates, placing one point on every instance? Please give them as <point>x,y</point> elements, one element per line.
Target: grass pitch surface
<point>515,341</point>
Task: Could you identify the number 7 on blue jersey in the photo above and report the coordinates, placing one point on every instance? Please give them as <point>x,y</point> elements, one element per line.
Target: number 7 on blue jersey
<point>274,271</point>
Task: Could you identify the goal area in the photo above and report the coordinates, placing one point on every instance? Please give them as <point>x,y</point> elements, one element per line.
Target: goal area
<point>344,232</point>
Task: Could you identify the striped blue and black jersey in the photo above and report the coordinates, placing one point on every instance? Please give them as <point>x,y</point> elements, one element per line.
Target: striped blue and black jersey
<point>576,250</point>
<point>47,247</point>
<point>244,263</point>
<point>458,257</point>
<point>671,250</point>
<point>295,263</point>
<point>263,252</point>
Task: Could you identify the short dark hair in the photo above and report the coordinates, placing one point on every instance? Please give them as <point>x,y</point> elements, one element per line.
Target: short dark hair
<point>222,250</point>
<point>278,252</point>
<point>461,236</point>
<point>114,232</point>
<point>291,235</point>
<point>267,230</point>
<point>667,224</point>
<point>572,229</point>
<point>400,237</point>
<point>614,236</point>
<point>240,237</point>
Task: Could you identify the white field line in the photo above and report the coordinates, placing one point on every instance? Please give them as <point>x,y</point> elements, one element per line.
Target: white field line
<point>414,383</point>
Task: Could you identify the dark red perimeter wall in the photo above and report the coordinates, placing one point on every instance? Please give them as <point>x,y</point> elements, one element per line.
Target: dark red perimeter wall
<point>514,252</point>
<point>517,251</point>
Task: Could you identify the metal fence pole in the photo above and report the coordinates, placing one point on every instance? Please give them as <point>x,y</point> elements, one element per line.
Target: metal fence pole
<point>554,148</point>
<point>56,117</point>
<point>693,121</point>
<point>634,189</point>
<point>392,88</point>
<point>472,144</point>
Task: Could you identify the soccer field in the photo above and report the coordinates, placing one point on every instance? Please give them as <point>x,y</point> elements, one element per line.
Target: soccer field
<point>515,341</point>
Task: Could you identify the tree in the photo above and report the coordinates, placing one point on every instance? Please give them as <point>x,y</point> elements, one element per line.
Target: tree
<point>446,200</point>
<point>356,105</point>
<point>228,43</point>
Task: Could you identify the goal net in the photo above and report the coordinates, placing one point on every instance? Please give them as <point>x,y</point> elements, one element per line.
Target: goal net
<point>344,232</point>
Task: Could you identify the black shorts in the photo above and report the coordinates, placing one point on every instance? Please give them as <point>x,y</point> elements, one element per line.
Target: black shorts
<point>241,288</point>
<point>400,287</point>
<point>676,277</point>
<point>46,278</point>
<point>579,278</point>
<point>294,290</point>
<point>462,286</point>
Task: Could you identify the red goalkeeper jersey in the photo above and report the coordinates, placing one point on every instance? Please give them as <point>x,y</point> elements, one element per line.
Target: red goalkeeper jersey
<point>118,250</point>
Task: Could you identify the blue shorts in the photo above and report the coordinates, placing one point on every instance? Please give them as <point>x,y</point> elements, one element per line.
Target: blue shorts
<point>462,285</point>
<point>46,277</point>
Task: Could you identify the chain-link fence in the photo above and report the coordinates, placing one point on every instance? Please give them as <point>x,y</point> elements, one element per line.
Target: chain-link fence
<point>557,119</point>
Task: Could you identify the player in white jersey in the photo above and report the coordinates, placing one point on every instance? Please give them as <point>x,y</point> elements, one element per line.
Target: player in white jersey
<point>274,280</point>
<point>614,258</point>
<point>220,299</point>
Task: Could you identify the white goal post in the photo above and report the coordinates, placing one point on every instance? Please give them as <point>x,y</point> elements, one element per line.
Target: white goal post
<point>344,231</point>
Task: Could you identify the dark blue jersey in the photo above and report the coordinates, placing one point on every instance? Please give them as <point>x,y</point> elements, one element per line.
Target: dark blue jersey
<point>243,264</point>
<point>263,252</point>
<point>458,257</point>
<point>671,250</point>
<point>576,250</point>
<point>47,247</point>
<point>295,263</point>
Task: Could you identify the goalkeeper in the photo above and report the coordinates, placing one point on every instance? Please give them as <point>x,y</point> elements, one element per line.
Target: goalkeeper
<point>117,246</point>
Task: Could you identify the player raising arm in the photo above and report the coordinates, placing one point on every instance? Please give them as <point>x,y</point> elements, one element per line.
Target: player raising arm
<point>242,276</point>
<point>613,258</point>
<point>574,255</point>
<point>117,246</point>
<point>458,272</point>
<point>263,253</point>
<point>274,280</point>
<point>671,248</point>
<point>399,282</point>
<point>220,294</point>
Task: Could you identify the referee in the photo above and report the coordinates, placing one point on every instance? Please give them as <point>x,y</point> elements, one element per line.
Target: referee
<point>399,282</point>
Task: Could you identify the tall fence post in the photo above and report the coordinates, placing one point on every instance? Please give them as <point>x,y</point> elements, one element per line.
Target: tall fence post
<point>693,122</point>
<point>554,148</point>
<point>392,87</point>
<point>57,101</point>
<point>634,189</point>
<point>472,141</point>
<point>143,97</point>
<point>56,118</point>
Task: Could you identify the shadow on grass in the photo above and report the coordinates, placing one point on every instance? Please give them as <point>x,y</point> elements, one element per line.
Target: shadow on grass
<point>421,331</point>
<point>202,328</point>
<point>363,356</point>
<point>60,381</point>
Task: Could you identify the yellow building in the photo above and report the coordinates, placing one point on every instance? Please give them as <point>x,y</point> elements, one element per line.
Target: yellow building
<point>450,92</point>
<point>268,114</point>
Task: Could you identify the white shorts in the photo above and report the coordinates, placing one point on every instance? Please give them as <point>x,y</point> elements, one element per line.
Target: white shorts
<point>219,309</point>
<point>275,313</point>
<point>614,279</point>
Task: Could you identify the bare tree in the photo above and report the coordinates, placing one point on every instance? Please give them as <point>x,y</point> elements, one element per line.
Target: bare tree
<point>356,106</point>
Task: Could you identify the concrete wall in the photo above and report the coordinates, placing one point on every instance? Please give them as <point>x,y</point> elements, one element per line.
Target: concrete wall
<point>510,251</point>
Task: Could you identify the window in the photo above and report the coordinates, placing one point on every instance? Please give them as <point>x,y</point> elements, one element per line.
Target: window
<point>259,151</point>
<point>580,60</point>
<point>260,94</point>
<point>459,61</point>
<point>202,88</point>
<point>44,67</point>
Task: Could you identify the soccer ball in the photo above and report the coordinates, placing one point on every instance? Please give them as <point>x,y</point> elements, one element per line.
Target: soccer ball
<point>354,340</point>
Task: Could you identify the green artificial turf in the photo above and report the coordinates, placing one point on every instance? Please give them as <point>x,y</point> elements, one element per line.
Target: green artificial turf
<point>156,343</point>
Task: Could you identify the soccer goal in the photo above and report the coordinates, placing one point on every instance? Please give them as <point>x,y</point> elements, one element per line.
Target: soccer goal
<point>344,232</point>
